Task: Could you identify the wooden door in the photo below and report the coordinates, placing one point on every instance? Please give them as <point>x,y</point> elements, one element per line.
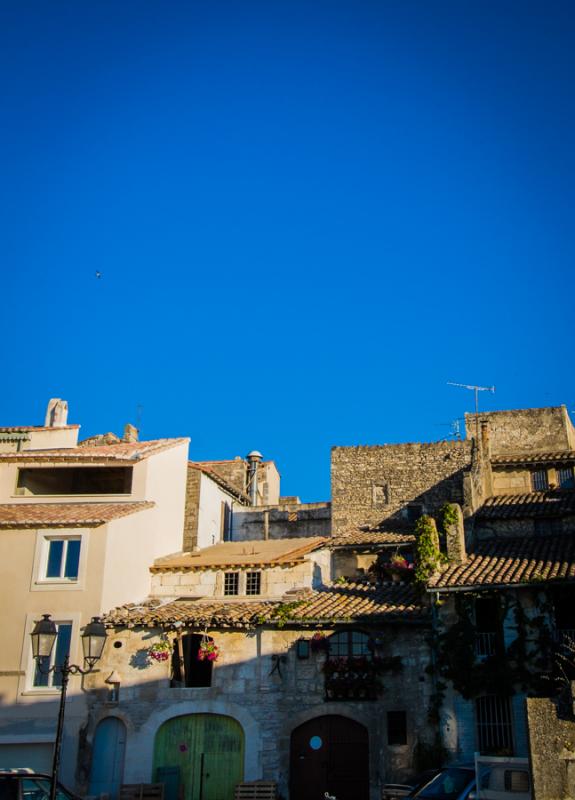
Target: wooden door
<point>209,751</point>
<point>107,768</point>
<point>329,754</point>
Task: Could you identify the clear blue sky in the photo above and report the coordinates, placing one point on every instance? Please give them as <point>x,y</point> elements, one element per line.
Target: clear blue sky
<point>308,216</point>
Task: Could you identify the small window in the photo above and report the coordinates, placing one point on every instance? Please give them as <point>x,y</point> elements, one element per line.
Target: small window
<point>62,559</point>
<point>539,480</point>
<point>396,727</point>
<point>59,652</point>
<point>494,726</point>
<point>565,478</point>
<point>253,582</point>
<point>231,583</point>
<point>487,626</point>
<point>516,780</point>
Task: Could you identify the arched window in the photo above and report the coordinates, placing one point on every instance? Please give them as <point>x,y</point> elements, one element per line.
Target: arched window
<point>349,644</point>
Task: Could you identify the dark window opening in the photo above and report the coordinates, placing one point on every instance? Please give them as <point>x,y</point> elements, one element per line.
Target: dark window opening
<point>63,559</point>
<point>225,520</point>
<point>195,673</point>
<point>487,626</point>
<point>565,478</point>
<point>539,480</point>
<point>231,583</point>
<point>396,727</point>
<point>253,582</point>
<point>494,726</point>
<point>563,604</point>
<point>75,480</point>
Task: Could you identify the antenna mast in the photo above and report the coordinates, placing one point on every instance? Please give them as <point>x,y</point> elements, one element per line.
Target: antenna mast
<point>476,389</point>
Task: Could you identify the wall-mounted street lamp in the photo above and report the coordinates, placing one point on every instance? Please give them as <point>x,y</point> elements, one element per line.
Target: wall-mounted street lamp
<point>43,638</point>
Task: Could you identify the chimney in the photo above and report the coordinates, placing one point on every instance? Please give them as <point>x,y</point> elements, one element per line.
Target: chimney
<point>254,459</point>
<point>56,413</point>
<point>130,433</point>
<point>455,535</point>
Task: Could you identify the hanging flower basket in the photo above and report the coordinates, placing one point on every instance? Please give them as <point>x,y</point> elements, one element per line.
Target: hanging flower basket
<point>208,651</point>
<point>161,651</point>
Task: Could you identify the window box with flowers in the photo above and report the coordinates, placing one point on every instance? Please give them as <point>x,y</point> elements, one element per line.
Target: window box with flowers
<point>352,678</point>
<point>396,569</point>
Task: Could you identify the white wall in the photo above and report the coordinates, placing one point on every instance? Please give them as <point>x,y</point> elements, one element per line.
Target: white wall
<point>210,511</point>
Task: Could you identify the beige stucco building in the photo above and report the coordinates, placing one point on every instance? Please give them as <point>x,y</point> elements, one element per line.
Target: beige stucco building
<point>81,523</point>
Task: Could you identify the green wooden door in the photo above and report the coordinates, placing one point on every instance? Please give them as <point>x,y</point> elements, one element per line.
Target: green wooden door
<point>208,749</point>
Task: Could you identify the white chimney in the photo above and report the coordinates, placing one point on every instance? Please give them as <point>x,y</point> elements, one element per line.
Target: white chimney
<point>57,413</point>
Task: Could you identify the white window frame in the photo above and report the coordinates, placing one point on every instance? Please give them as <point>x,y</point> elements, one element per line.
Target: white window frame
<point>26,690</point>
<point>40,582</point>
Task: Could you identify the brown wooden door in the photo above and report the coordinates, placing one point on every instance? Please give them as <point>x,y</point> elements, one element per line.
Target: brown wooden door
<point>329,754</point>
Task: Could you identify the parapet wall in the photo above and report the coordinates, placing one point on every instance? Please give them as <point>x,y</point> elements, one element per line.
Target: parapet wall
<point>526,429</point>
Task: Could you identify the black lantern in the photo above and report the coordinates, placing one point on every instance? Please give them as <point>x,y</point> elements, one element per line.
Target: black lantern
<point>93,640</point>
<point>43,637</point>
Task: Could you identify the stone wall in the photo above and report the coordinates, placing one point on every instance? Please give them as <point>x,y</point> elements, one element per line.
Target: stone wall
<point>269,703</point>
<point>522,430</point>
<point>552,748</point>
<point>372,484</point>
<point>275,581</point>
<point>285,521</point>
<point>192,509</point>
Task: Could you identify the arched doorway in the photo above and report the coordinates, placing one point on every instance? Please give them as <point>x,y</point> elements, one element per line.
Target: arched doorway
<point>107,768</point>
<point>329,754</point>
<point>199,757</point>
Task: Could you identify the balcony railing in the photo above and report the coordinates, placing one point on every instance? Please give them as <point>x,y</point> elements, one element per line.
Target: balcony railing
<point>352,679</point>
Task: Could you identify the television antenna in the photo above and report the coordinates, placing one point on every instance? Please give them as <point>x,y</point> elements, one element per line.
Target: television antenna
<point>475,389</point>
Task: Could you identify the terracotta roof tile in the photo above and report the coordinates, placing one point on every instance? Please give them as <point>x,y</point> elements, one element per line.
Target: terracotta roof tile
<point>512,561</point>
<point>533,458</point>
<point>372,537</point>
<point>348,603</point>
<point>78,515</point>
<point>249,553</point>
<point>125,452</point>
<point>26,428</point>
<point>532,504</point>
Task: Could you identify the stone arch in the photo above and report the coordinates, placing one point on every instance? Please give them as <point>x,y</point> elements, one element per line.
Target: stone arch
<point>140,746</point>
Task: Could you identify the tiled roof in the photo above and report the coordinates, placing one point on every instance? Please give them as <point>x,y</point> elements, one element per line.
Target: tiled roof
<point>78,515</point>
<point>532,504</point>
<point>533,458</point>
<point>512,561</point>
<point>358,538</point>
<point>123,453</point>
<point>352,602</point>
<point>26,428</point>
<point>242,554</point>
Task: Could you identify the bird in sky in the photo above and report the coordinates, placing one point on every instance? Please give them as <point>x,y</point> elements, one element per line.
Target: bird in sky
<point>98,274</point>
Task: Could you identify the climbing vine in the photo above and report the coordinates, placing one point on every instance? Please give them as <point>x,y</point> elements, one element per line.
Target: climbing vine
<point>448,516</point>
<point>524,664</point>
<point>428,557</point>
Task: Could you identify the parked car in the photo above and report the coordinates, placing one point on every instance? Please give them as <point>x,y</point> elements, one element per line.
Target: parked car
<point>23,784</point>
<point>451,783</point>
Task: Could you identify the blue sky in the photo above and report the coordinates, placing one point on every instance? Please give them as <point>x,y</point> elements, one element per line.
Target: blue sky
<point>308,216</point>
